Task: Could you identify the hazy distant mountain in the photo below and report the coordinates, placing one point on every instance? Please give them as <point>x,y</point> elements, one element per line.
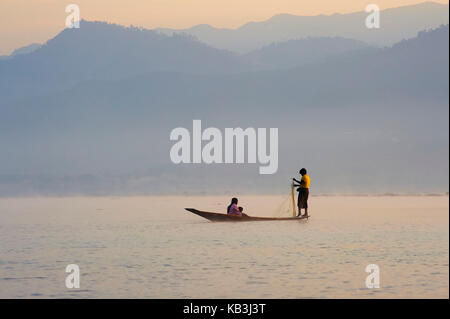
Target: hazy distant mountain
<point>26,49</point>
<point>299,52</point>
<point>100,50</point>
<point>396,24</point>
<point>373,120</point>
<point>23,50</point>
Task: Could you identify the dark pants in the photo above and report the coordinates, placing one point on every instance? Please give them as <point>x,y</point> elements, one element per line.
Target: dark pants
<point>303,194</point>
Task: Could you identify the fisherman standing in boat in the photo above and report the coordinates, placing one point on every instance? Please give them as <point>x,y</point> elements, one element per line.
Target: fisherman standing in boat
<point>303,192</point>
<point>233,208</point>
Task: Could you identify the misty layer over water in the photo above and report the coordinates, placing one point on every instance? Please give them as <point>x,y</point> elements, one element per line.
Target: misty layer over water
<point>149,247</point>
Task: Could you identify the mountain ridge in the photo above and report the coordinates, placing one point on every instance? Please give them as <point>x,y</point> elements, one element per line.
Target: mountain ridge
<point>396,24</point>
<point>361,122</point>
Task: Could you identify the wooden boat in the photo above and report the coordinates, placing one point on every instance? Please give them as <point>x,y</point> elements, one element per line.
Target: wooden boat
<point>216,217</point>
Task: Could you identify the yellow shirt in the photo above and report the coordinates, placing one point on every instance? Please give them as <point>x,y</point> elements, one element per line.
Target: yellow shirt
<point>306,181</point>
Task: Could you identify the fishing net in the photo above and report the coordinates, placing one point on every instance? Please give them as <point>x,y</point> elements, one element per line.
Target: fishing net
<point>286,207</point>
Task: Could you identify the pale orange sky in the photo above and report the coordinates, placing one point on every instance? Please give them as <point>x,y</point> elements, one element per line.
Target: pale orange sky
<point>26,21</point>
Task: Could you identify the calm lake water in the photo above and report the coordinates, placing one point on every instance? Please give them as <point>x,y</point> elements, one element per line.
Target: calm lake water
<point>149,247</point>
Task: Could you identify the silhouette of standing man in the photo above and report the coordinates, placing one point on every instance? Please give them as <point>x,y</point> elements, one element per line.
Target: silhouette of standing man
<point>303,192</point>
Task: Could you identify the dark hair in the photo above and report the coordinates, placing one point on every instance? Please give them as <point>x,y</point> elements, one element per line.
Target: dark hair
<point>303,171</point>
<point>234,200</point>
<point>240,209</point>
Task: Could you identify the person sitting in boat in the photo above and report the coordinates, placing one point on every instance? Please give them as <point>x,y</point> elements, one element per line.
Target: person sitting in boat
<point>241,210</point>
<point>233,209</point>
<point>303,192</point>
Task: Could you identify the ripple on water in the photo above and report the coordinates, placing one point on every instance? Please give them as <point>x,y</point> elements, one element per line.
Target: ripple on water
<point>22,278</point>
